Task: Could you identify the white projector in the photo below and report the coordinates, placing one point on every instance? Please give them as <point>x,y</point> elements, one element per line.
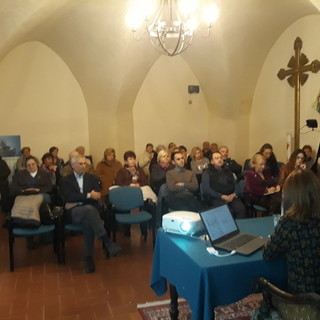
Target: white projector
<point>182,222</point>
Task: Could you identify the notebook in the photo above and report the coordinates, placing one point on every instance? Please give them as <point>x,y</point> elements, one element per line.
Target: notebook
<point>224,233</point>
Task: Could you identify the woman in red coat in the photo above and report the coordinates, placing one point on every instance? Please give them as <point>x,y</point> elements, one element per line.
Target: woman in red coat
<point>261,187</point>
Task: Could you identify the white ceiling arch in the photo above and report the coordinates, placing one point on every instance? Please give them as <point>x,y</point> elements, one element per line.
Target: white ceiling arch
<point>92,39</point>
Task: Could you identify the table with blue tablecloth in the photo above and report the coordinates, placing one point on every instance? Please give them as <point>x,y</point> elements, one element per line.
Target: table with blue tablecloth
<point>207,281</point>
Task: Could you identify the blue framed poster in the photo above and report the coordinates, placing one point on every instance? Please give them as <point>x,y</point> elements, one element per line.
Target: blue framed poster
<point>10,146</point>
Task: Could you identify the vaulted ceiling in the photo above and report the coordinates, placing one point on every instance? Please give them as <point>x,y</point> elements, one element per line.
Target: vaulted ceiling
<point>91,37</point>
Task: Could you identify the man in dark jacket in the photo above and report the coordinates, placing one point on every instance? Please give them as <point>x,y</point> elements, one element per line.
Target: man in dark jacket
<point>4,187</point>
<point>235,167</point>
<point>219,185</point>
<point>81,193</point>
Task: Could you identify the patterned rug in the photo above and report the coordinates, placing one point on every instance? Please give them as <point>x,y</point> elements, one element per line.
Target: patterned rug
<point>159,310</point>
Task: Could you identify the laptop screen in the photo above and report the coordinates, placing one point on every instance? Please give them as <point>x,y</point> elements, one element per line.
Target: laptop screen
<point>218,222</point>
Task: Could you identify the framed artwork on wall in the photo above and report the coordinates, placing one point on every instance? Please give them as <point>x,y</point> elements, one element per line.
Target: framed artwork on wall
<point>10,146</point>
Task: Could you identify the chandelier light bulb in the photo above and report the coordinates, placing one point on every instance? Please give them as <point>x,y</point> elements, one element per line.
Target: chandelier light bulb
<point>171,24</point>
<point>211,14</point>
<point>187,7</point>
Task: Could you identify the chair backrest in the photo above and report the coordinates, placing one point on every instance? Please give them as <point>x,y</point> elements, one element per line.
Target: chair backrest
<point>240,188</point>
<point>301,306</point>
<point>246,165</point>
<point>126,198</point>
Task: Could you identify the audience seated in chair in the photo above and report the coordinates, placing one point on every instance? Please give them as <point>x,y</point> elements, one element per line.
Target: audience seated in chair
<point>206,149</point>
<point>229,163</point>
<point>57,162</point>
<point>107,170</point>
<point>31,180</point>
<point>154,160</point>
<point>296,161</point>
<point>198,163</point>
<point>260,187</point>
<point>219,185</point>
<point>47,165</point>
<point>159,171</point>
<point>133,176</point>
<point>81,193</point>
<point>182,185</point>
<point>81,150</point>
<point>271,162</point>
<point>21,162</point>
<point>296,236</point>
<point>146,158</point>
<point>186,156</point>
<point>4,185</point>
<point>67,169</point>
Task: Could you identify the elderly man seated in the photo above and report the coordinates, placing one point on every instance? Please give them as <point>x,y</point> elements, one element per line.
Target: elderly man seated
<point>81,193</point>
<point>67,169</point>
<point>219,185</point>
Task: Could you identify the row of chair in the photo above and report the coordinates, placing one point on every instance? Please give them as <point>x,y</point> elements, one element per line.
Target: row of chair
<point>127,208</point>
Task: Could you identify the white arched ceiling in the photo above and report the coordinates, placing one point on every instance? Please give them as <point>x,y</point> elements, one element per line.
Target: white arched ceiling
<point>165,111</point>
<point>41,100</point>
<point>91,38</point>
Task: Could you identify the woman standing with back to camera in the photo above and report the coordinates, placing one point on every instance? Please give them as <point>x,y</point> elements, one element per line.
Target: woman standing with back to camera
<point>297,234</point>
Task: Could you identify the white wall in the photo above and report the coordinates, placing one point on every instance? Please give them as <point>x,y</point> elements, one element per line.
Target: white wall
<point>162,112</point>
<point>41,101</point>
<point>272,115</point>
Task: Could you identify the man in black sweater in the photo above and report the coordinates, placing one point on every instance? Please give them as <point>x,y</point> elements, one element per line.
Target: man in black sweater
<point>219,185</point>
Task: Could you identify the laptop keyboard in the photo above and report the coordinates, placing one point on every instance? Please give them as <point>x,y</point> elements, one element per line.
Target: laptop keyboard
<point>238,241</point>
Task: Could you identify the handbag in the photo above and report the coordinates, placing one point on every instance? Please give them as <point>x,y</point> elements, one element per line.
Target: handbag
<point>25,211</point>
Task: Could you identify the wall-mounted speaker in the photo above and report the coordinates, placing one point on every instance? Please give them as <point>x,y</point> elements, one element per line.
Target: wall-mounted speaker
<point>193,89</point>
<point>312,123</point>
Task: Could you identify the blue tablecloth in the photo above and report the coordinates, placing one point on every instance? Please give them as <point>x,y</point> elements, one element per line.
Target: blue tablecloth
<point>207,281</point>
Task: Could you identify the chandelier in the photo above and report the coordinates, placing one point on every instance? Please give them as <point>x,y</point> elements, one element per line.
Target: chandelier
<point>170,24</point>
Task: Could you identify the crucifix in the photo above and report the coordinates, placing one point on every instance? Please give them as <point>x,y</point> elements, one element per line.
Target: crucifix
<point>297,77</point>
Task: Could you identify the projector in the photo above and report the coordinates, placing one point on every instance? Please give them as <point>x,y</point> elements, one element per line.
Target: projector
<point>182,222</point>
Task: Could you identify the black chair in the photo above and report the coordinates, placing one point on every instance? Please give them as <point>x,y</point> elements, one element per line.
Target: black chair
<point>304,306</point>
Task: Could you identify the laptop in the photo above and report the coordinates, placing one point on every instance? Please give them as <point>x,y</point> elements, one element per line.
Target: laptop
<point>224,233</point>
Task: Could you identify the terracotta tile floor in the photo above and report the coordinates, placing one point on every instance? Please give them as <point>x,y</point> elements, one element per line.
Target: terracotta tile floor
<point>41,289</point>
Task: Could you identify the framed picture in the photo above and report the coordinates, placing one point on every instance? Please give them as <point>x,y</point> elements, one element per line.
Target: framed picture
<point>10,146</point>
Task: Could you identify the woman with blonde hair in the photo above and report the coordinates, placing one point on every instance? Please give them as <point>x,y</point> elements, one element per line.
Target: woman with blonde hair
<point>260,186</point>
<point>107,170</point>
<point>297,235</point>
<point>159,170</point>
<point>198,162</point>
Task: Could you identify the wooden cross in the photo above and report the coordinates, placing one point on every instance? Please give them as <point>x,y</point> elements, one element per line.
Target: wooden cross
<point>297,77</point>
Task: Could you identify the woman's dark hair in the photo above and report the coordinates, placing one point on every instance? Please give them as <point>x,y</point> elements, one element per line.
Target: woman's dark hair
<point>129,154</point>
<point>301,195</point>
<point>173,154</point>
<point>33,158</point>
<point>292,160</point>
<point>47,155</point>
<point>266,146</point>
<point>53,149</point>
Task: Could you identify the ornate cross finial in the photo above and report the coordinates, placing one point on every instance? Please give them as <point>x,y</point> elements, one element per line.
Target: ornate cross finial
<point>298,66</point>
